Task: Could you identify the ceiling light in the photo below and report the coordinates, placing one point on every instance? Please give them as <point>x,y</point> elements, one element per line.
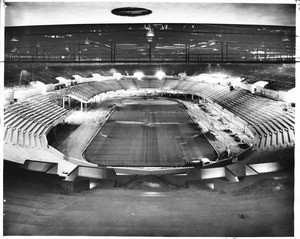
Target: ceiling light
<point>117,75</point>
<point>38,45</point>
<point>160,74</point>
<point>14,38</point>
<point>14,49</point>
<point>139,75</point>
<point>66,48</point>
<point>212,42</point>
<point>215,49</point>
<point>285,39</point>
<point>204,46</point>
<point>257,52</point>
<point>87,41</point>
<point>150,33</point>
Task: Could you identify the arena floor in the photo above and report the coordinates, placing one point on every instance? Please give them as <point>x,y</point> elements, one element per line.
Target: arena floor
<point>148,133</point>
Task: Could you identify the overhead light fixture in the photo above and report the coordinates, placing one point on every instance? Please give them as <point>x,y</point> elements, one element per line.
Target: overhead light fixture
<point>66,48</point>
<point>150,33</point>
<point>139,75</point>
<point>38,45</point>
<point>14,38</point>
<point>87,41</point>
<point>160,74</point>
<point>212,42</point>
<point>215,49</point>
<point>285,39</point>
<point>117,75</point>
<point>14,49</point>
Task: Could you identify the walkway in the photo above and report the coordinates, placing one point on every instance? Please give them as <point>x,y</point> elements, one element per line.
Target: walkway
<point>75,144</point>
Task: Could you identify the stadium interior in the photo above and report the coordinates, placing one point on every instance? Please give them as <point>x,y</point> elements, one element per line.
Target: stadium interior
<point>131,120</point>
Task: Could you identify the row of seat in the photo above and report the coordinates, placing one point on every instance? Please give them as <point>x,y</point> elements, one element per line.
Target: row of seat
<point>272,126</point>
<point>27,123</point>
<point>44,78</point>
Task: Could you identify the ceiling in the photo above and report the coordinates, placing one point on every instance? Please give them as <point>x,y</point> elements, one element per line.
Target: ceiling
<point>33,13</point>
<point>76,31</point>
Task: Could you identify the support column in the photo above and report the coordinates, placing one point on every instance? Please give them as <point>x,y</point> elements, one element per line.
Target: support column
<point>63,102</point>
<point>81,106</point>
<point>114,51</point>
<point>69,101</point>
<point>111,51</point>
<point>222,52</point>
<point>226,44</point>
<point>186,52</point>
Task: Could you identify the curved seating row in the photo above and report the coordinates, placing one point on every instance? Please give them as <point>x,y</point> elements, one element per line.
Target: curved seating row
<point>44,78</point>
<point>26,123</point>
<point>271,125</point>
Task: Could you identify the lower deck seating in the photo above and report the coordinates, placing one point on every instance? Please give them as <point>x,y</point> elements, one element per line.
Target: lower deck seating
<point>273,126</point>
<point>27,123</point>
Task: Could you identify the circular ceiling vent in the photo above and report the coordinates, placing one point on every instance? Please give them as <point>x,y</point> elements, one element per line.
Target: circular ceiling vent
<point>131,11</point>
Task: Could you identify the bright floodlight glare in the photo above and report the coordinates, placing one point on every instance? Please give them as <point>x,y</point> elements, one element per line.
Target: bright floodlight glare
<point>160,74</point>
<point>117,75</point>
<point>139,75</point>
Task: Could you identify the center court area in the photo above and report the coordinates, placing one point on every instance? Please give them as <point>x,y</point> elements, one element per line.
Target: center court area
<point>148,133</point>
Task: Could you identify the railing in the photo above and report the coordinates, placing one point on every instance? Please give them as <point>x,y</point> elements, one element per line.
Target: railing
<point>215,57</point>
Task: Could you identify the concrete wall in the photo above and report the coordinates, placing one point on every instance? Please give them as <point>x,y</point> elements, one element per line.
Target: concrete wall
<point>247,86</point>
<point>270,93</point>
<point>287,96</point>
<point>266,167</point>
<point>48,88</point>
<point>21,94</point>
